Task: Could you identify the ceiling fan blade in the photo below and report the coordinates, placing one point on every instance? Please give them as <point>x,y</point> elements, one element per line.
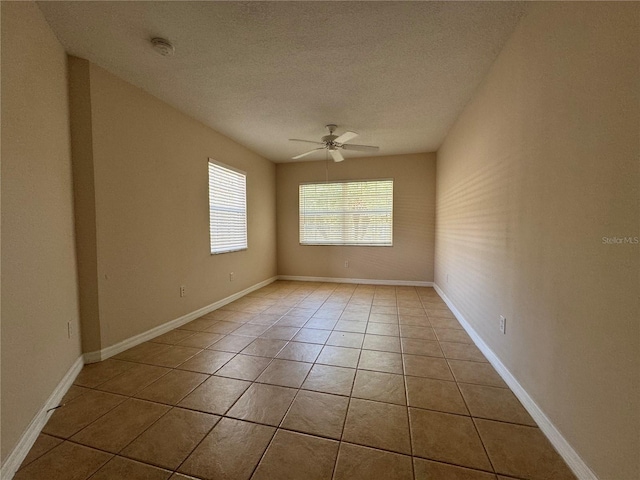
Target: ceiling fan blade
<point>345,137</point>
<point>306,153</point>
<point>305,141</point>
<point>337,156</point>
<point>360,148</point>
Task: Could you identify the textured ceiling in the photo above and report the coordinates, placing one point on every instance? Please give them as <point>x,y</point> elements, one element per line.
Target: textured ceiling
<point>398,73</point>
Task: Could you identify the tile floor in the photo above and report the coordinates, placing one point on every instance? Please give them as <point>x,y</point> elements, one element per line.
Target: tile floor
<point>298,381</point>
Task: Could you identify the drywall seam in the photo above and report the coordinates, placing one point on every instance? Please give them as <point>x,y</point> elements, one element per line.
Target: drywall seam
<point>103,354</point>
<point>363,281</point>
<point>564,448</point>
<point>17,456</point>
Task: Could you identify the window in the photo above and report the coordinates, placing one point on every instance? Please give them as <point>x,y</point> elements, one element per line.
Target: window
<point>347,213</point>
<point>227,208</point>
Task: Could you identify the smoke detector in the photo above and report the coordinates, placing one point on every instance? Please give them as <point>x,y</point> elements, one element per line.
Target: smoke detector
<point>163,46</point>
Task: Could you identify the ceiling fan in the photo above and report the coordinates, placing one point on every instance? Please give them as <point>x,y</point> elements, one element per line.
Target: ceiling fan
<point>334,143</point>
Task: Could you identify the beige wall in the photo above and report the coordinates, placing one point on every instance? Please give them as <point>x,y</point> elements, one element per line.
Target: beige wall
<point>410,258</point>
<point>541,165</point>
<point>39,292</point>
<point>152,213</point>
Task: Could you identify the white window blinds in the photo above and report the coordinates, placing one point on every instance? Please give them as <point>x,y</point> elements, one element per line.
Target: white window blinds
<point>227,208</point>
<point>347,213</point>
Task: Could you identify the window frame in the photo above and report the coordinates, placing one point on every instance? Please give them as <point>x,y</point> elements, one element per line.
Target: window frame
<point>307,244</point>
<point>245,246</point>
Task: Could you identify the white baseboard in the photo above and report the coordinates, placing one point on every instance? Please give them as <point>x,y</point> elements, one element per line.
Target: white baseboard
<point>362,281</point>
<point>566,451</point>
<point>97,356</point>
<point>17,456</point>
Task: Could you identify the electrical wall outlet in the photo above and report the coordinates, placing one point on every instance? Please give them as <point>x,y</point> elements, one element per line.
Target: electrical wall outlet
<point>231,276</point>
<point>183,290</point>
<point>346,264</point>
<point>503,324</point>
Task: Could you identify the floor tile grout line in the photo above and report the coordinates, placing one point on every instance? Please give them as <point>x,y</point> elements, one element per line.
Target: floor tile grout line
<point>92,475</point>
<point>473,469</point>
<point>221,417</point>
<point>276,431</point>
<point>224,416</point>
<point>23,465</point>
<point>119,374</point>
<point>121,454</point>
<point>484,448</point>
<point>463,399</point>
<point>134,439</point>
<point>93,421</point>
<point>344,306</point>
<point>289,430</point>
<point>406,399</point>
<point>340,440</point>
<point>344,423</point>
<point>410,456</point>
<point>133,395</point>
<point>175,406</point>
<point>162,416</point>
<point>476,383</point>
